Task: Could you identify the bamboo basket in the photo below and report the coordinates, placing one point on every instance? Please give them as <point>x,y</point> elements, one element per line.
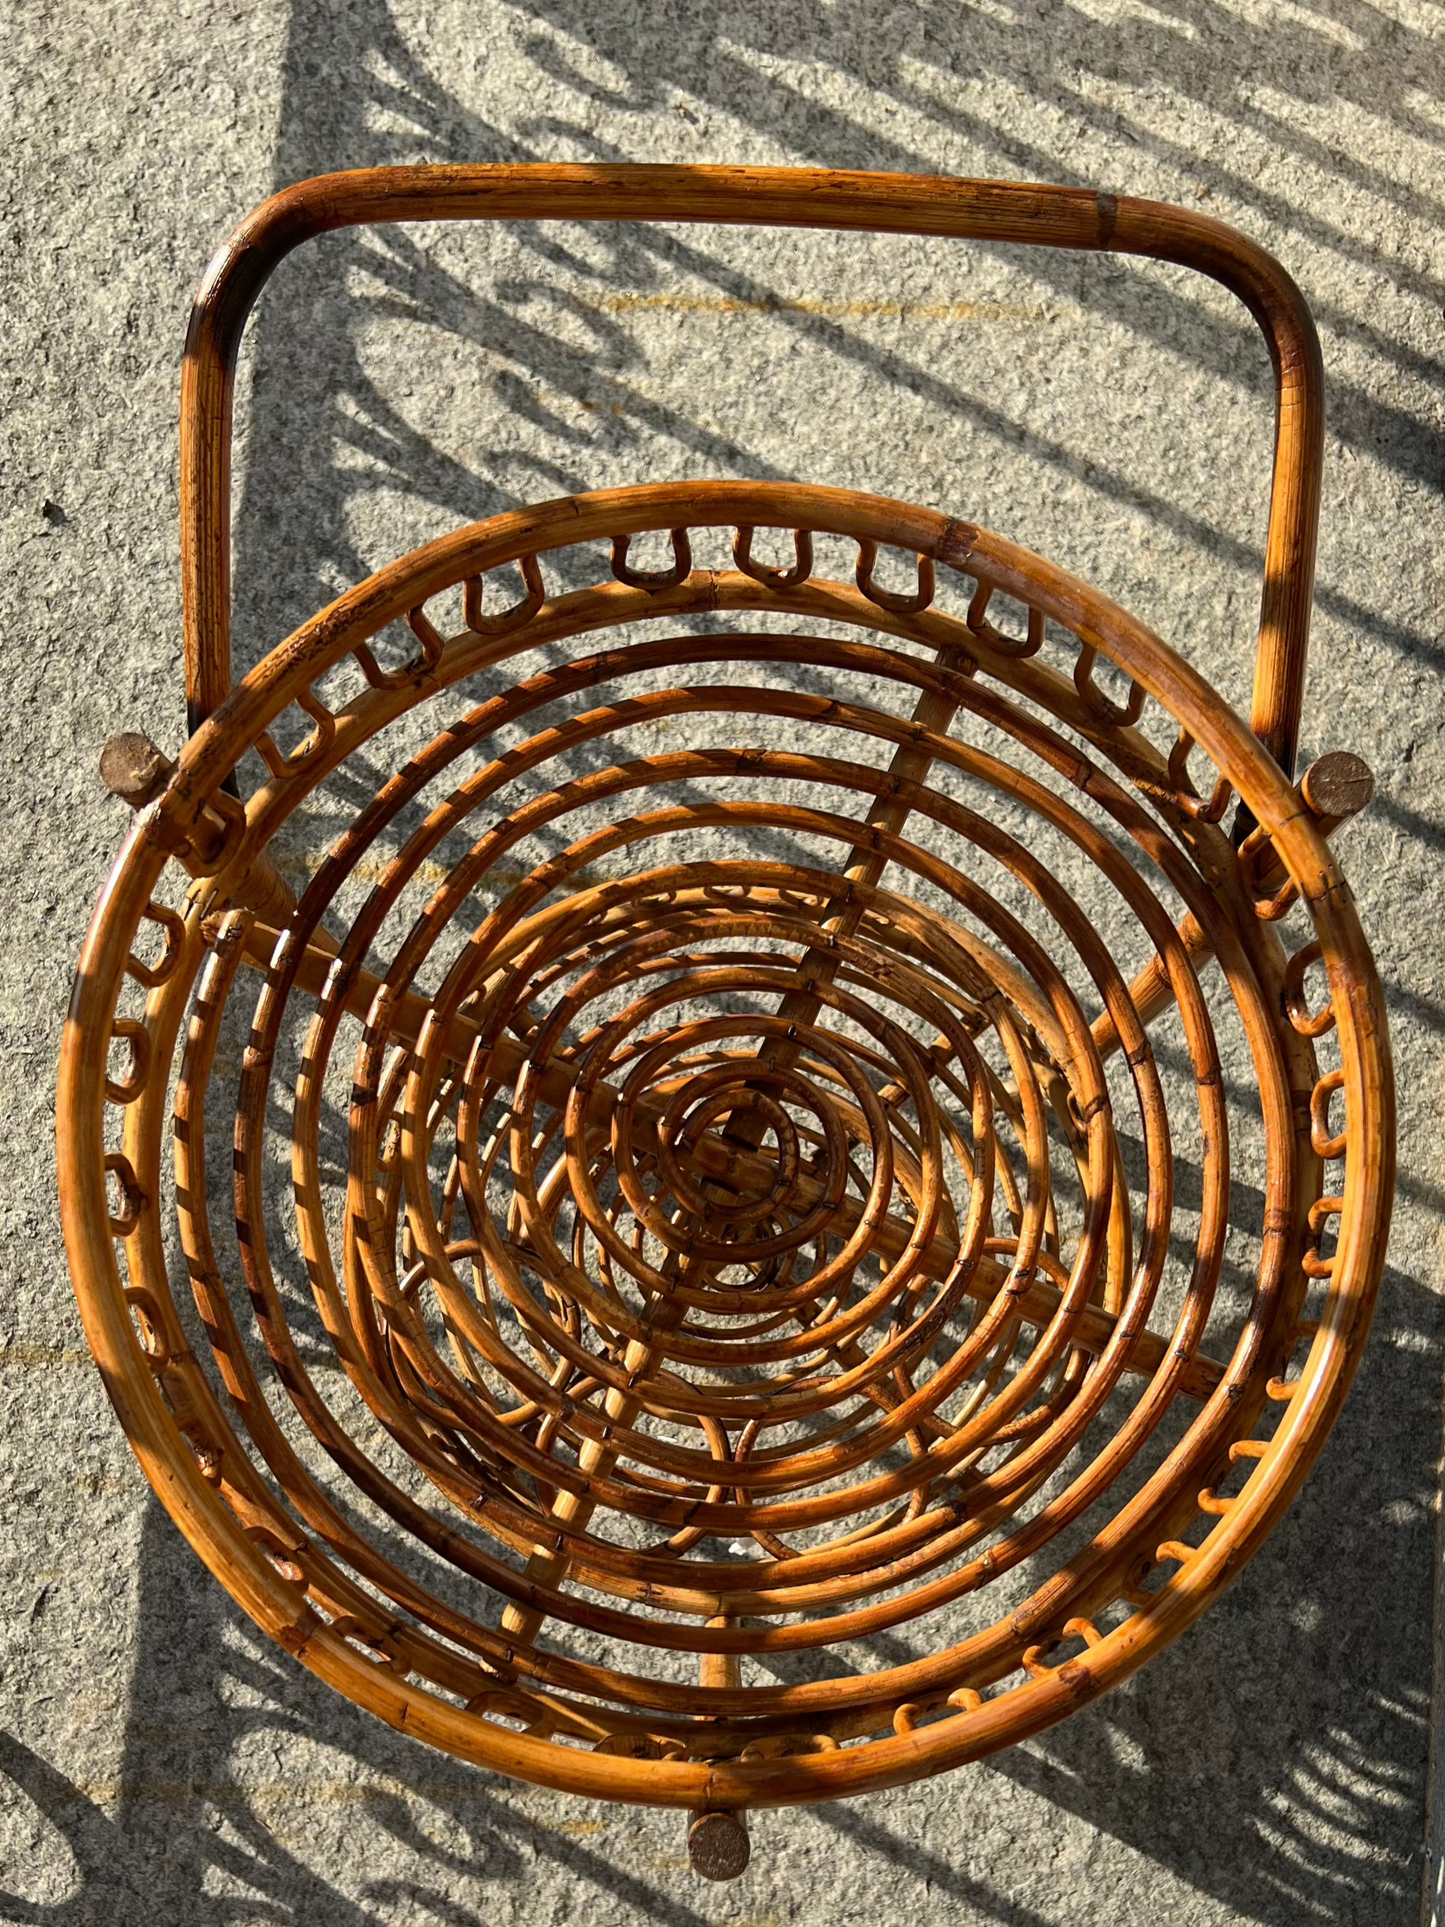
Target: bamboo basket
<point>753,1317</point>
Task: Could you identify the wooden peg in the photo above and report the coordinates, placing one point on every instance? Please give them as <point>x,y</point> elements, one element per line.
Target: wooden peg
<point>718,1845</point>
<point>1337,786</point>
<point>136,770</point>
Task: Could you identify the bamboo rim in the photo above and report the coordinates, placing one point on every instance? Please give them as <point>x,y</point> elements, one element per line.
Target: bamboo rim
<point>1047,1324</point>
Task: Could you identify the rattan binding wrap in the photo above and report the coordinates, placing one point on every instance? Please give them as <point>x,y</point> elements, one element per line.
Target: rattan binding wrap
<point>735,1209</point>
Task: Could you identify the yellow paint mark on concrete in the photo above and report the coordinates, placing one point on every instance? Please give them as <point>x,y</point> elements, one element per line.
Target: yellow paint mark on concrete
<point>43,1356</point>
<point>184,1793</point>
<point>298,1792</point>
<point>827,310</point>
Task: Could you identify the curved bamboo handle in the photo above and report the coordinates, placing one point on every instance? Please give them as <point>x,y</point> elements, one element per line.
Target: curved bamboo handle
<point>773,197</point>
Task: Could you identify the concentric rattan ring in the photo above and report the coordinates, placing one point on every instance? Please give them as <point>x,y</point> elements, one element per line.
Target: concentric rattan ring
<point>736,1210</point>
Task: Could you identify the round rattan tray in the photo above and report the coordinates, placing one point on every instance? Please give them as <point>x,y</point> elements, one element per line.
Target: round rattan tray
<point>695,1263</point>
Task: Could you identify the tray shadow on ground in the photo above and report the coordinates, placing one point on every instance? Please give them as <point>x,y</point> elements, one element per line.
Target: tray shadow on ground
<point>1275,1758</point>
<point>1302,1696</point>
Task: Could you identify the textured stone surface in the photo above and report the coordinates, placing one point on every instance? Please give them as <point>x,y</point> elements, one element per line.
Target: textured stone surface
<point>1273,1767</point>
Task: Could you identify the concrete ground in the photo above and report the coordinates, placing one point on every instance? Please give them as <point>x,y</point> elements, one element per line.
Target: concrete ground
<point>162,1766</point>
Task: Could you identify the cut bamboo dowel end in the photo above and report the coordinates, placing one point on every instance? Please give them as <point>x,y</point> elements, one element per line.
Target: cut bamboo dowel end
<point>1337,786</point>
<point>136,770</point>
<point>718,1845</point>
<point>133,768</point>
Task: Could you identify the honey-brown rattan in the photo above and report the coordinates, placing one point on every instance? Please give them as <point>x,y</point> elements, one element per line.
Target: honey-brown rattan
<point>736,1209</point>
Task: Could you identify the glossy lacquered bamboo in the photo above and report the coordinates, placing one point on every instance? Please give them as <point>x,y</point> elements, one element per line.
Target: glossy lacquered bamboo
<point>1002,211</point>
<point>930,1354</point>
